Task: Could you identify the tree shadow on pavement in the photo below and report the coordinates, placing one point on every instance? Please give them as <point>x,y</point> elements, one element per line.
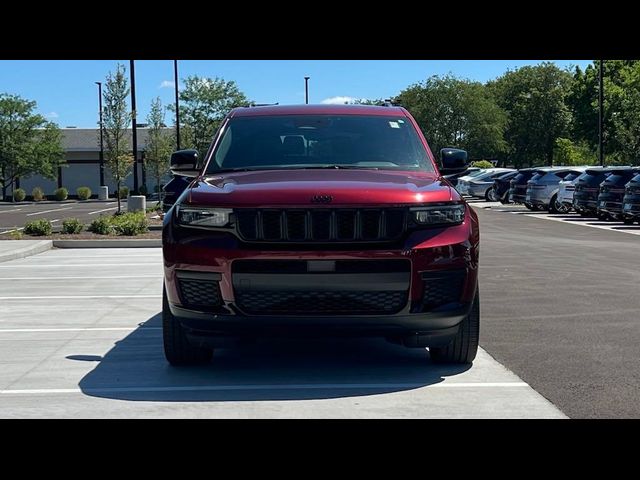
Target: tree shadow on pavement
<point>278,369</point>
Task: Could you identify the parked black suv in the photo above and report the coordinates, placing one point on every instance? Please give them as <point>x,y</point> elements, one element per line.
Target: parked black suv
<point>518,186</point>
<point>585,197</point>
<point>631,201</point>
<point>612,192</point>
<point>501,187</point>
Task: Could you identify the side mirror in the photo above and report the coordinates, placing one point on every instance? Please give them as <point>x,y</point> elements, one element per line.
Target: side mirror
<point>453,160</point>
<point>185,163</point>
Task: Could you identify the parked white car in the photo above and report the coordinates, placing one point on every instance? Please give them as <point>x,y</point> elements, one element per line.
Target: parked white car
<point>566,190</point>
<point>478,182</point>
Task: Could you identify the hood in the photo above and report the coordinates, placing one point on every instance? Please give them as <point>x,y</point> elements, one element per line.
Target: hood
<point>298,187</point>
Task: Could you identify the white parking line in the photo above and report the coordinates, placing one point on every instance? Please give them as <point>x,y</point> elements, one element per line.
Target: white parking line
<point>231,388</point>
<point>90,329</point>
<point>77,297</point>
<point>12,210</point>
<point>14,230</point>
<point>103,210</point>
<point>48,211</point>
<point>51,279</point>
<point>81,265</point>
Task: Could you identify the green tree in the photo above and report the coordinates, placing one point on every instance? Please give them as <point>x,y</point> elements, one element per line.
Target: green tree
<point>569,153</point>
<point>534,99</point>
<point>117,118</point>
<point>29,144</point>
<point>204,102</point>
<point>159,143</point>
<point>453,112</point>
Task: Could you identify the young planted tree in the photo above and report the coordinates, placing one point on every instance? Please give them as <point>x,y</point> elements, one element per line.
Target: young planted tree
<point>29,144</point>
<point>116,118</point>
<point>203,104</point>
<point>159,144</point>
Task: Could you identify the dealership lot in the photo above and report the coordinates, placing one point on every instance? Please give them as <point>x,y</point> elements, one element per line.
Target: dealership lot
<point>569,218</point>
<point>84,340</point>
<point>14,217</point>
<point>559,322</point>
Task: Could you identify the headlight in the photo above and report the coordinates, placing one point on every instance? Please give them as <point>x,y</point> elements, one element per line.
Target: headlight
<point>204,217</point>
<point>436,215</point>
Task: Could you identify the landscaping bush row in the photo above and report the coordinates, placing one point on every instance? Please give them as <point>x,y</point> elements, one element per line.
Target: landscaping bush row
<point>129,224</point>
<point>60,194</point>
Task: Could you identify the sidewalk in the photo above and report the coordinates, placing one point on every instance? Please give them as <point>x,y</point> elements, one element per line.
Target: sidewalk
<point>14,249</point>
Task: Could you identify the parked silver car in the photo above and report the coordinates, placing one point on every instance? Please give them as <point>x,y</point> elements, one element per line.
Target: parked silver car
<point>542,189</point>
<point>477,185</point>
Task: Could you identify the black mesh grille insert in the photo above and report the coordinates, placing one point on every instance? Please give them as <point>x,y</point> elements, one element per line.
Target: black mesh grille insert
<point>271,302</point>
<point>201,294</point>
<point>321,225</point>
<point>440,288</point>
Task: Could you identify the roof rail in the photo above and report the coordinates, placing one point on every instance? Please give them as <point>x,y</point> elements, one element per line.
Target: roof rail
<point>253,104</point>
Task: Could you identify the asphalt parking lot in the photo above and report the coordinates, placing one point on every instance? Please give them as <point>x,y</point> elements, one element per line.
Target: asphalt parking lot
<point>84,340</point>
<point>14,217</point>
<point>559,322</point>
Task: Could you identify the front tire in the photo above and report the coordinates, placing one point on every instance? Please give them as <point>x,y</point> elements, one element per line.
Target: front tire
<point>555,206</point>
<point>490,195</point>
<point>177,349</point>
<point>464,347</point>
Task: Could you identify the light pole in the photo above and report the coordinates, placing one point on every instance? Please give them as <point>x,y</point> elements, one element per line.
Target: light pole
<point>175,81</point>
<point>101,138</point>
<point>306,90</point>
<point>134,127</point>
<point>601,113</point>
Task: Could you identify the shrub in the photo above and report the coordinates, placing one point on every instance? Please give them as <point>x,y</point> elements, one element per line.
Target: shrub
<point>19,194</point>
<point>102,226</point>
<point>131,223</point>
<point>37,194</point>
<point>124,191</point>
<point>482,164</point>
<point>72,226</point>
<point>84,193</point>
<point>16,234</point>
<point>143,190</point>
<point>38,227</point>
<point>61,194</point>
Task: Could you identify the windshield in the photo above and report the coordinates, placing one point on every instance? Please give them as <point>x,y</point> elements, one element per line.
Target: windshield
<point>319,141</point>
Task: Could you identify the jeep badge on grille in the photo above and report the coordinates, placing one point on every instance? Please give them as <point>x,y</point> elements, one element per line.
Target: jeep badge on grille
<point>321,199</point>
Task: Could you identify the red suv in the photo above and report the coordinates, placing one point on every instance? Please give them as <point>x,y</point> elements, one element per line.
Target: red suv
<point>320,220</point>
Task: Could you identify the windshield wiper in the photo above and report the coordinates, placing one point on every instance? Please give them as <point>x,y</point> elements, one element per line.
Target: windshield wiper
<point>338,167</point>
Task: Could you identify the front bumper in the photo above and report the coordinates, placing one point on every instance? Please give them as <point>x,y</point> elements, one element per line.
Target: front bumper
<point>429,252</point>
<point>631,207</point>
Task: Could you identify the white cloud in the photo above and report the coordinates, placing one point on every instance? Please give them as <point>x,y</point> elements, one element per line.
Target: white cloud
<point>338,100</point>
<point>167,84</point>
<point>52,115</point>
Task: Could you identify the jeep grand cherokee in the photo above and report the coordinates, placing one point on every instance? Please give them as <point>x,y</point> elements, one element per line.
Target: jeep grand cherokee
<point>320,220</point>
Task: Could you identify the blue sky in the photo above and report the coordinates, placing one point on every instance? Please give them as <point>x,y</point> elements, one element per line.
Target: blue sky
<point>66,93</point>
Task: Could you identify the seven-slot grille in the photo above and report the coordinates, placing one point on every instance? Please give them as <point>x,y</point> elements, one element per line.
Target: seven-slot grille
<point>321,224</point>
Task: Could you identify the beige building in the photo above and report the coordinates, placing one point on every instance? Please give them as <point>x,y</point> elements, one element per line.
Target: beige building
<point>82,169</point>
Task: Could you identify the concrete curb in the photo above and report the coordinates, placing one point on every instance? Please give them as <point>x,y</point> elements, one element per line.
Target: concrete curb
<point>133,243</point>
<point>39,247</point>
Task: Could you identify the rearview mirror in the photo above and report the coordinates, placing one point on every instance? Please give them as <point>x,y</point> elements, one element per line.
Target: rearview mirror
<point>453,160</point>
<point>185,163</point>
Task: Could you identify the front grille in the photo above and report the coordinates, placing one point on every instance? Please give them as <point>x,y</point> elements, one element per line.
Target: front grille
<point>321,225</point>
<point>275,302</point>
<point>440,288</point>
<point>200,294</point>
<point>300,266</point>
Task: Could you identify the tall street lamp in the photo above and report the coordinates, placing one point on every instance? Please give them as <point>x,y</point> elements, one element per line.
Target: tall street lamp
<point>601,113</point>
<point>306,90</point>
<point>134,126</point>
<point>175,81</point>
<point>101,138</point>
